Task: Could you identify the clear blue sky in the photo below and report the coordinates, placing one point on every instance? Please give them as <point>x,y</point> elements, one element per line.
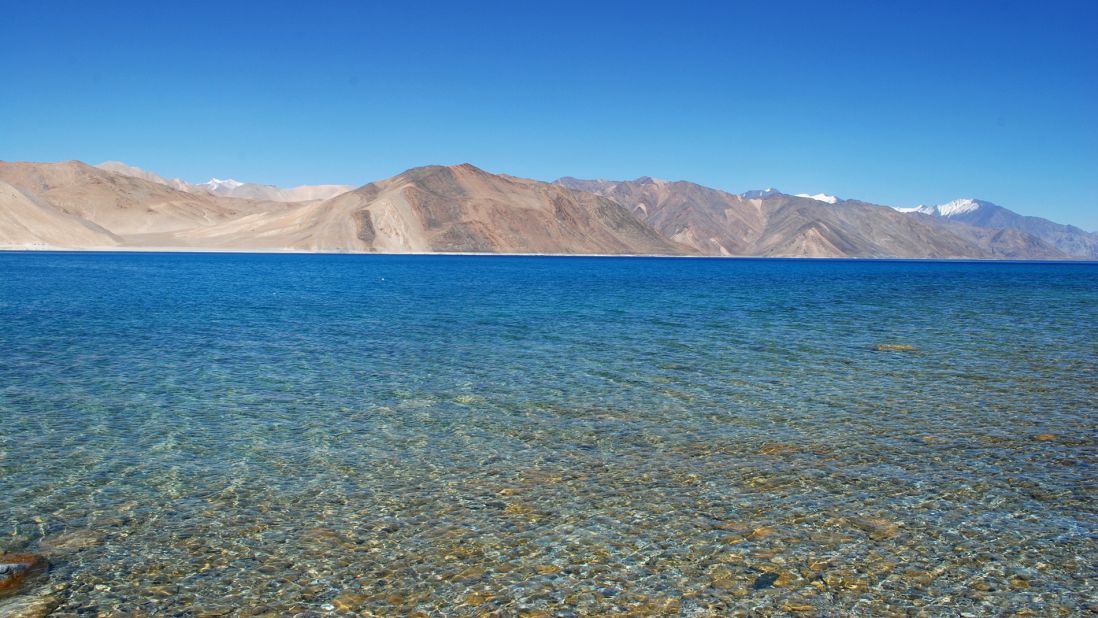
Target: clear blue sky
<point>901,102</point>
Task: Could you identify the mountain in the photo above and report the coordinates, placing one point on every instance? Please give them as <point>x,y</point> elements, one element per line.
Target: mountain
<point>233,188</point>
<point>1068,239</point>
<point>128,170</point>
<point>771,223</point>
<point>29,222</point>
<point>216,185</point>
<point>427,209</point>
<point>712,222</point>
<point>758,193</point>
<point>820,197</point>
<point>253,191</point>
<point>123,205</point>
<point>449,209</point>
<point>1009,244</point>
<point>465,209</point>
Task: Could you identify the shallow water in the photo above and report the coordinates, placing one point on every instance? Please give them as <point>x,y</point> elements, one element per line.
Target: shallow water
<point>318,435</point>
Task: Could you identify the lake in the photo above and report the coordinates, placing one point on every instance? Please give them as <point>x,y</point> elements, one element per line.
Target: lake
<point>214,434</point>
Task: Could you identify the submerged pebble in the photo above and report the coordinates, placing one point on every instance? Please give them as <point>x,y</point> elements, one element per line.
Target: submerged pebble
<point>14,568</point>
<point>766,580</point>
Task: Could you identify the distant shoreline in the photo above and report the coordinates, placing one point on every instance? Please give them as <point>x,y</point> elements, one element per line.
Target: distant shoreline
<point>173,250</point>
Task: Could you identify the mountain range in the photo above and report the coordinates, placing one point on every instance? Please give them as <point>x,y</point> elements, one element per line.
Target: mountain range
<point>461,208</point>
<point>978,213</point>
<point>233,188</point>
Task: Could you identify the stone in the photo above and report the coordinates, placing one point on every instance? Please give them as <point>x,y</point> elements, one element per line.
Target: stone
<point>877,528</point>
<point>761,532</point>
<point>71,541</point>
<point>766,580</point>
<point>478,597</point>
<point>518,508</point>
<point>14,568</point>
<point>818,564</point>
<point>163,590</point>
<point>349,601</point>
<point>38,605</point>
<point>784,579</point>
<point>777,448</point>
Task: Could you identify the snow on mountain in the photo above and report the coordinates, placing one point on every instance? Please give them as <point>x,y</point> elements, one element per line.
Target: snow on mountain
<point>960,207</point>
<point>952,209</point>
<point>221,186</point>
<point>921,209</point>
<point>978,213</point>
<point>233,188</point>
<point>760,194</point>
<point>821,197</point>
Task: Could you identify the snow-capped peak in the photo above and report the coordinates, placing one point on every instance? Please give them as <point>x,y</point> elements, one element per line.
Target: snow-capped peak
<point>216,183</point>
<point>821,197</point>
<point>921,209</point>
<point>959,207</point>
<point>952,209</point>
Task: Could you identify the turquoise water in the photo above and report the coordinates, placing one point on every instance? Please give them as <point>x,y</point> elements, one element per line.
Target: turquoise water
<point>373,435</point>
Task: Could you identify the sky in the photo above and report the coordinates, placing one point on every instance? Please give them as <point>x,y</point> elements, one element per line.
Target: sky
<point>900,102</point>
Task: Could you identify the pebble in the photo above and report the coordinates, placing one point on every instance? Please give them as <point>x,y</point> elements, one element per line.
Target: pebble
<point>37,605</point>
<point>71,541</point>
<point>877,528</point>
<point>766,580</point>
<point>14,568</point>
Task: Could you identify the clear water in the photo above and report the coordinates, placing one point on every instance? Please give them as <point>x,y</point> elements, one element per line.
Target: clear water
<point>370,435</point>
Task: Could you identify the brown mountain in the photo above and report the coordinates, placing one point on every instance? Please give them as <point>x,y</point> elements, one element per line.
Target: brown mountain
<point>1004,244</point>
<point>124,206</point>
<point>1065,239</point>
<point>232,188</point>
<point>465,209</point>
<point>711,221</point>
<point>427,209</point>
<point>29,222</point>
<point>449,209</point>
<point>773,224</point>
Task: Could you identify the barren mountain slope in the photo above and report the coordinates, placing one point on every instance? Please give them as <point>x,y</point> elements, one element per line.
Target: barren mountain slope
<point>450,209</point>
<point>464,209</point>
<point>798,226</point>
<point>122,204</point>
<point>1067,239</point>
<point>26,223</point>
<point>771,223</point>
<point>232,188</point>
<point>711,221</point>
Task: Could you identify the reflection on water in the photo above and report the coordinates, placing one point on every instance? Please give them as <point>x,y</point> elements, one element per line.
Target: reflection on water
<point>232,434</point>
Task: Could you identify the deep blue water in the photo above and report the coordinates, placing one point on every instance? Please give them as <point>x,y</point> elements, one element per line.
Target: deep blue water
<point>459,435</point>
